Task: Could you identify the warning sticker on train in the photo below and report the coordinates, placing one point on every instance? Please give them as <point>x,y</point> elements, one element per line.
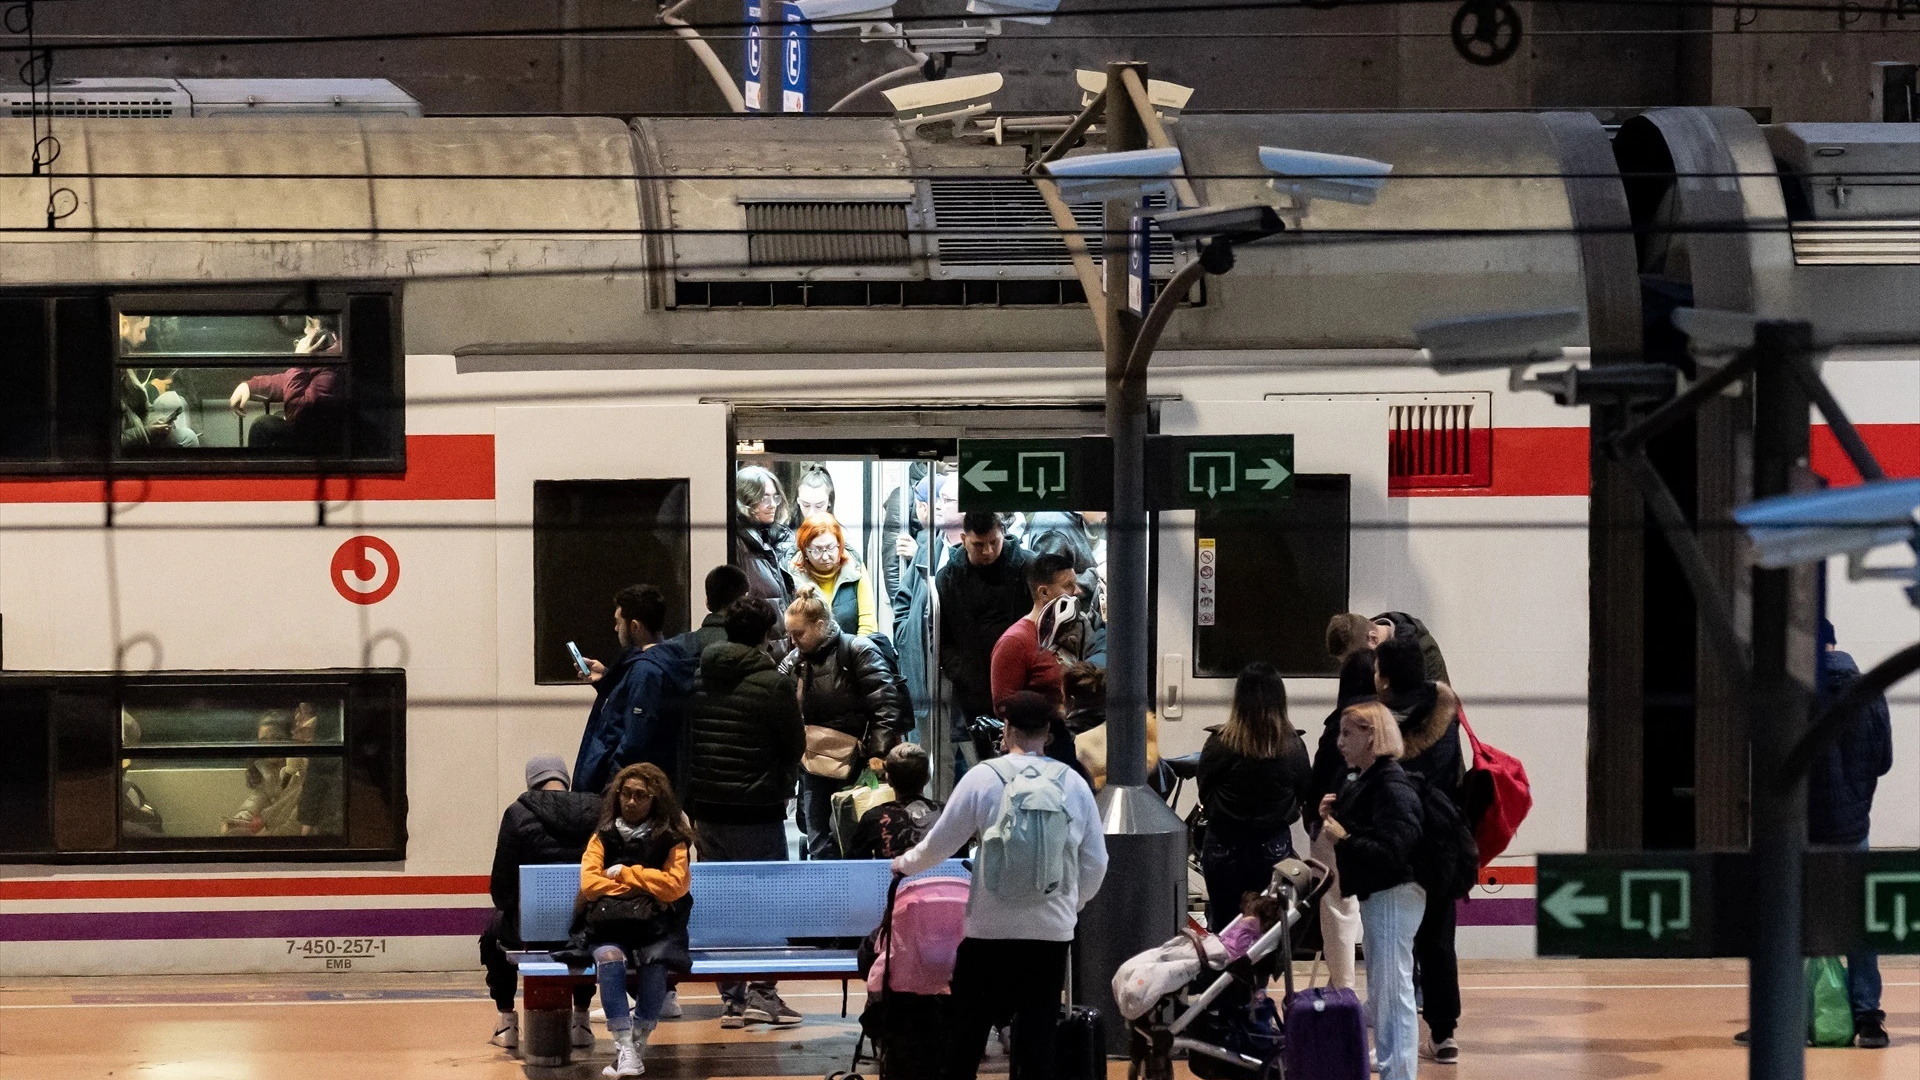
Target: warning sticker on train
<point>365,570</point>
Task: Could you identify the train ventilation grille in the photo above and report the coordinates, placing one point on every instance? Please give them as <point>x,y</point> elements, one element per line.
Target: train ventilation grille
<point>1005,223</point>
<point>1438,444</point>
<point>1856,243</point>
<point>131,109</point>
<point>827,234</point>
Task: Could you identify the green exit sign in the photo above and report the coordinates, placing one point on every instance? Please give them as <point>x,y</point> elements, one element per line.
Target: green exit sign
<point>1222,471</point>
<point>1036,474</point>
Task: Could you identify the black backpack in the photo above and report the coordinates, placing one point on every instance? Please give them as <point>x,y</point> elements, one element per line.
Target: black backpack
<point>901,693</point>
<point>1446,861</point>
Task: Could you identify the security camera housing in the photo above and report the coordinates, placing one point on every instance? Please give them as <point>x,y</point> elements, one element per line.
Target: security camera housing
<point>1235,223</point>
<point>1032,12</point>
<point>1123,175</point>
<point>945,98</point>
<point>828,16</point>
<point>1790,529</point>
<point>1166,98</point>
<point>1497,339</point>
<point>1309,174</point>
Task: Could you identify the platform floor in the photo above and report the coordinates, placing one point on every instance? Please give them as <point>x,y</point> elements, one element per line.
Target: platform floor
<point>1588,1019</point>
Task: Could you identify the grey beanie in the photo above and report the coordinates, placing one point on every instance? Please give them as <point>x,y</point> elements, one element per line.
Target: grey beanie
<point>544,768</point>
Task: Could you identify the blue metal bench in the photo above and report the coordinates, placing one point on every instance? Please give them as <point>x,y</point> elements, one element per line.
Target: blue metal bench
<point>750,920</point>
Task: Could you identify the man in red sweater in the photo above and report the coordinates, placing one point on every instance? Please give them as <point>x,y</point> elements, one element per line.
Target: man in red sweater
<point>1019,661</point>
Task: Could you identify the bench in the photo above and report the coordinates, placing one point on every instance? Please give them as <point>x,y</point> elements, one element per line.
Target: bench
<point>750,921</point>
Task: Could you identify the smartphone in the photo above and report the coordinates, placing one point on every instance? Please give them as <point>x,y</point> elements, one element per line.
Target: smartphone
<point>579,662</point>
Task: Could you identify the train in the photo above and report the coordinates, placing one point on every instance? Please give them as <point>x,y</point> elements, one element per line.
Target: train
<point>561,337</point>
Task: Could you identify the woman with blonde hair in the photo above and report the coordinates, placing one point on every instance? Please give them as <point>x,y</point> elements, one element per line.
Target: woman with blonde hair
<point>1251,774</point>
<point>821,558</point>
<point>633,892</point>
<point>1375,822</point>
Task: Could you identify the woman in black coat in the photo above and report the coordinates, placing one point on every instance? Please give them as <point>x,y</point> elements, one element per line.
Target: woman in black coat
<point>1376,823</point>
<point>1251,775</point>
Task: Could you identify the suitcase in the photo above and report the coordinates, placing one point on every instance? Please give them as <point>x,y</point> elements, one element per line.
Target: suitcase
<point>1079,1045</point>
<point>1326,1034</point>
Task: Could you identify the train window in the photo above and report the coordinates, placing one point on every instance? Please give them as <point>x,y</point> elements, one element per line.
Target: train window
<point>592,538</point>
<point>200,383</point>
<point>1279,575</point>
<point>185,766</point>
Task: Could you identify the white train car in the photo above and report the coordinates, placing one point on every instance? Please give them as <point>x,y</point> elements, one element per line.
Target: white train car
<point>559,338</point>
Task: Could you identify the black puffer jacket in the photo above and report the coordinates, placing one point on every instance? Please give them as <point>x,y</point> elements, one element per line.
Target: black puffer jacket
<point>540,827</point>
<point>756,550</point>
<point>1382,815</point>
<point>1841,784</point>
<point>745,736</point>
<point>977,604</point>
<point>1430,726</point>
<point>845,684</point>
<point>1249,799</point>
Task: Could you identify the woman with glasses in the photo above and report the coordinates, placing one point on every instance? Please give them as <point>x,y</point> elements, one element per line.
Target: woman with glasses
<point>821,557</point>
<point>758,535</point>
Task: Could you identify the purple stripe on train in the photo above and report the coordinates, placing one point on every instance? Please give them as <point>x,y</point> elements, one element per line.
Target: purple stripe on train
<point>1497,911</point>
<point>184,925</point>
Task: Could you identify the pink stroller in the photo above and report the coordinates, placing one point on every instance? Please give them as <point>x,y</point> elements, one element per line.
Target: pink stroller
<point>907,987</point>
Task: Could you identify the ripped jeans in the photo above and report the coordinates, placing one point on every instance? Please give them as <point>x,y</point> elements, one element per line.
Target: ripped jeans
<point>610,967</point>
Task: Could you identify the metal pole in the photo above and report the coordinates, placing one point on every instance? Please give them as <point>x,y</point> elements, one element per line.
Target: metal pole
<point>1145,893</point>
<point>1776,987</point>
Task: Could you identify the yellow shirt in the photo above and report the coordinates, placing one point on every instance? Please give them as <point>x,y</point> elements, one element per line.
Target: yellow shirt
<point>868,620</point>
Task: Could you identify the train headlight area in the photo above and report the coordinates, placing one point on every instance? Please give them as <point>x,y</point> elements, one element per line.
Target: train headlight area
<point>307,484</point>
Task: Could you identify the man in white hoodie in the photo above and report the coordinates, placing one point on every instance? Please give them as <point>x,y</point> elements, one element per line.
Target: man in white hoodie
<point>1013,961</point>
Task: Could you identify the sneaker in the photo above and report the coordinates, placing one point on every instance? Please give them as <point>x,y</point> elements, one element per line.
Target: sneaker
<point>670,1009</point>
<point>626,1058</point>
<point>770,1009</point>
<point>734,1017</point>
<point>506,1031</point>
<point>1870,1031</point>
<point>1446,1052</point>
<point>581,1033</point>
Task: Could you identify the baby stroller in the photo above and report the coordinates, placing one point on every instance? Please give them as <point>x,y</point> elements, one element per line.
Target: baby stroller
<point>907,987</point>
<point>1227,1027</point>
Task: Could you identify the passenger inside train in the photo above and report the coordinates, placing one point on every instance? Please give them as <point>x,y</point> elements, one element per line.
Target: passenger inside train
<point>224,380</point>
<point>174,788</point>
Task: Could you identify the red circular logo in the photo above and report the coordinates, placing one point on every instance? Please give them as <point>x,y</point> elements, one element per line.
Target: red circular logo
<point>365,570</point>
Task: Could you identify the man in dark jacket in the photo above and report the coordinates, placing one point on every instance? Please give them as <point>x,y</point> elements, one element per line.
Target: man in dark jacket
<point>639,703</point>
<point>1840,804</point>
<point>546,824</point>
<point>725,584</point>
<point>845,684</point>
<point>1429,715</point>
<point>744,744</point>
<point>980,596</point>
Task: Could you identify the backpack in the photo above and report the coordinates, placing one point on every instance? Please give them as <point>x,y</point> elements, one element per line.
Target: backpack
<point>1494,794</point>
<point>901,692</point>
<point>1446,861</point>
<point>1024,857</point>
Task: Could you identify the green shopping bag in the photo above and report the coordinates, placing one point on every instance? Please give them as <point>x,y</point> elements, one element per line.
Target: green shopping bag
<point>1829,1012</point>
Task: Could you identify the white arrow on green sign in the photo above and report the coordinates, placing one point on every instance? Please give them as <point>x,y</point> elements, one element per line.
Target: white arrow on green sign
<point>983,477</point>
<point>1567,905</point>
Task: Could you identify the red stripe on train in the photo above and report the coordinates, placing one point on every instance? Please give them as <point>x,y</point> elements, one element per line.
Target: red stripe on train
<point>1526,461</point>
<point>438,467</point>
<point>1895,446</point>
<point>187,888</point>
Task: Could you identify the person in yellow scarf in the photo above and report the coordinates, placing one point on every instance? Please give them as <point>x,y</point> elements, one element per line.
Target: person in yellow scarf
<point>821,557</point>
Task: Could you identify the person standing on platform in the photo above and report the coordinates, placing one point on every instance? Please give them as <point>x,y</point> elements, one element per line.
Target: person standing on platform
<point>845,687</point>
<point>1339,912</point>
<point>1252,772</point>
<point>981,596</point>
<point>639,703</point>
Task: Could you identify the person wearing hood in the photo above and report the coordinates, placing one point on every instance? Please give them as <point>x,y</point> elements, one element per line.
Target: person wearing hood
<point>758,535</point>
<point>1429,716</point>
<point>822,559</point>
<point>639,703</point>
<point>744,744</point>
<point>846,690</point>
<point>1390,624</point>
<point>546,824</point>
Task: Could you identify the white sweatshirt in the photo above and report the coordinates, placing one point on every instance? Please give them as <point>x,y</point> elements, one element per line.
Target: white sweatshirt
<point>974,806</point>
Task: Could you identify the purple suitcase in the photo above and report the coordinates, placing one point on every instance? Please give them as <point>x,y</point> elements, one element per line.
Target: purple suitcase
<point>1326,1034</point>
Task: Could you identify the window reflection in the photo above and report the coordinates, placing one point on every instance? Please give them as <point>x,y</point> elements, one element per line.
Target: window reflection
<point>209,722</point>
<point>229,335</point>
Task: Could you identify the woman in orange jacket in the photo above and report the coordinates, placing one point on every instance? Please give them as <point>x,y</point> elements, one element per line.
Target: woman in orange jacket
<point>633,893</point>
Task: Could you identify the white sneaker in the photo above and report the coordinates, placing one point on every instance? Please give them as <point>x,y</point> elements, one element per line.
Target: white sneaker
<point>670,1009</point>
<point>581,1033</point>
<point>506,1031</point>
<point>626,1060</point>
<point>598,1015</point>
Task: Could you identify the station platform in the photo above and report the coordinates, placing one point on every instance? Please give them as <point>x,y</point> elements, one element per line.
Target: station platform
<point>1523,1019</point>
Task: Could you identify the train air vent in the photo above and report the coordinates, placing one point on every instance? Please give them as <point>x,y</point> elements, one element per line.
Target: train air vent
<point>1005,223</point>
<point>1856,243</point>
<point>827,234</point>
<point>1438,443</point>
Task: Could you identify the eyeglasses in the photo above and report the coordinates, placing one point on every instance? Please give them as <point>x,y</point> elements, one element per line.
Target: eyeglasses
<point>828,548</point>
<point>769,497</point>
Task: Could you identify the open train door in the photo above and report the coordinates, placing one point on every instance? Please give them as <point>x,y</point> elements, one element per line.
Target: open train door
<point>589,500</point>
<point>1236,586</point>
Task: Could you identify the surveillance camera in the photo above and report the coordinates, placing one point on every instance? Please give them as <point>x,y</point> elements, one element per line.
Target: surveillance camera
<point>946,40</point>
<point>1791,529</point>
<point>1496,340</point>
<point>1165,97</point>
<point>1236,223</point>
<point>1309,174</point>
<point>1124,175</point>
<point>827,16</point>
<point>944,99</point>
<point>1033,12</point>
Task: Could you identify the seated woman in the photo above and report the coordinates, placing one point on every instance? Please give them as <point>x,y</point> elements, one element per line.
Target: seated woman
<point>633,883</point>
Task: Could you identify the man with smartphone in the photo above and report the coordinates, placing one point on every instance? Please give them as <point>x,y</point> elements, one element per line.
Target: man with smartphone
<point>639,703</point>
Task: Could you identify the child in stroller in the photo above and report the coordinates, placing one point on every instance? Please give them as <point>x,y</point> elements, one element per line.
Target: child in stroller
<point>1227,1025</point>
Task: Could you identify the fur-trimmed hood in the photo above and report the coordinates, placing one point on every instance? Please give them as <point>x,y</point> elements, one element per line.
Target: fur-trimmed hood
<point>1435,710</point>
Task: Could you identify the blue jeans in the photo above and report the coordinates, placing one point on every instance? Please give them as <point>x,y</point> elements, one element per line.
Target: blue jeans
<point>1863,978</point>
<point>816,805</point>
<point>610,967</point>
<point>1390,919</point>
<point>1234,868</point>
